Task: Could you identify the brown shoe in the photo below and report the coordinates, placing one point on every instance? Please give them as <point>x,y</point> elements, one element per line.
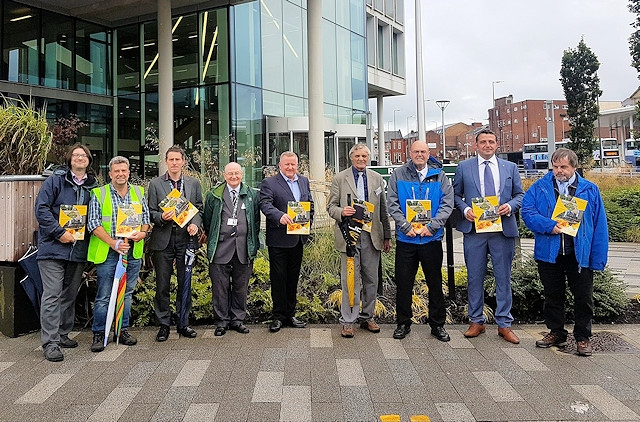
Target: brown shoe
<point>551,339</point>
<point>474,330</point>
<point>584,348</point>
<point>347,331</point>
<point>507,334</point>
<point>370,325</point>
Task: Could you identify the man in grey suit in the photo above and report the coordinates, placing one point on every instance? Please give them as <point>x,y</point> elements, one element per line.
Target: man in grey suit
<point>232,225</point>
<point>168,240</point>
<point>482,176</point>
<point>367,185</point>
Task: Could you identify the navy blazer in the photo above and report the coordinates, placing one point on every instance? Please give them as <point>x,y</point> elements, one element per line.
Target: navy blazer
<point>466,185</point>
<point>274,198</point>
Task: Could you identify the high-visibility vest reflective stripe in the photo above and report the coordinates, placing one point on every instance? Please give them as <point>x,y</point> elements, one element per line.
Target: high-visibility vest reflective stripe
<point>98,250</point>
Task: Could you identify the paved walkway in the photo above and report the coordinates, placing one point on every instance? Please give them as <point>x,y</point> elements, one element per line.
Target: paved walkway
<point>313,374</point>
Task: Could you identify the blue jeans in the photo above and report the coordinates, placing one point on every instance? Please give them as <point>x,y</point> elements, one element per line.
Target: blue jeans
<point>105,273</point>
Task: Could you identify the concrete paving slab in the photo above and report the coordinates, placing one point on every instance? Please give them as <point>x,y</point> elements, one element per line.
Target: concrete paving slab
<point>296,403</point>
<point>114,406</point>
<point>201,412</point>
<point>613,408</point>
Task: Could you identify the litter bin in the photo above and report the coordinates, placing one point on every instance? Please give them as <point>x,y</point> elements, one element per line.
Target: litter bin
<point>17,315</point>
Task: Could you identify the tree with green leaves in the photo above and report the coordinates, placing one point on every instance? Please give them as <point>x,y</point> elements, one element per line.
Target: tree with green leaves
<point>634,39</point>
<point>581,85</point>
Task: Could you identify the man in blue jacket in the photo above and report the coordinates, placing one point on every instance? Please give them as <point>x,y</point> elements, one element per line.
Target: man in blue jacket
<point>61,258</point>
<point>421,178</point>
<point>561,256</point>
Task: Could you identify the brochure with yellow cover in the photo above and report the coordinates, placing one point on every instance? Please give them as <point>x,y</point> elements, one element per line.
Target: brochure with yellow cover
<point>300,213</point>
<point>368,209</point>
<point>129,220</point>
<point>568,213</point>
<point>487,218</point>
<point>73,218</point>
<point>184,210</point>
<point>419,214</point>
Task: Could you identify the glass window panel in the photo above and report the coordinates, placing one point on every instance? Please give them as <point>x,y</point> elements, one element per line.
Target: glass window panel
<point>358,16</point>
<point>214,149</point>
<point>379,5</point>
<point>97,134</point>
<point>292,50</point>
<point>247,124</point>
<point>294,106</point>
<point>128,61</point>
<point>93,58</point>
<point>329,63</point>
<point>272,45</point>
<point>215,46</point>
<point>186,116</point>
<point>21,28</point>
<point>342,13</point>
<point>331,111</point>
<point>247,50</point>
<point>358,72</point>
<point>151,132</point>
<point>345,115</point>
<point>58,39</point>
<point>400,11</point>
<point>150,54</point>
<point>185,51</point>
<point>371,40</point>
<point>273,103</point>
<point>389,8</point>
<point>329,9</point>
<point>128,141</point>
<point>343,66</point>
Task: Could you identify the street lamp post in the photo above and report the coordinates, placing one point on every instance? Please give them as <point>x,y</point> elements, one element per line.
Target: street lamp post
<point>493,92</point>
<point>467,144</point>
<point>409,117</point>
<point>443,104</point>
<point>394,119</point>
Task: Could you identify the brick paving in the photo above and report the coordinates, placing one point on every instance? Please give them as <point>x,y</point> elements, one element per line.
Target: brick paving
<point>314,374</point>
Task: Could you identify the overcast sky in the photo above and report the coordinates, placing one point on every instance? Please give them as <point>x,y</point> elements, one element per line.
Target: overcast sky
<point>467,44</point>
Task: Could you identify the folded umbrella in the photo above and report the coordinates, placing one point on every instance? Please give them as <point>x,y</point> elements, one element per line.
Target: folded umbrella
<point>185,303</point>
<point>119,279</point>
<point>350,228</point>
<point>32,282</point>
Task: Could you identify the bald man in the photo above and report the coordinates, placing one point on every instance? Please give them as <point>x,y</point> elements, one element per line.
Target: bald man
<point>232,224</point>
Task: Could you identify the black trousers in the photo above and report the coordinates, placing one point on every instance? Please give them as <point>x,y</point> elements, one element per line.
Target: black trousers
<point>284,271</point>
<point>163,264</point>
<point>408,256</point>
<point>553,278</point>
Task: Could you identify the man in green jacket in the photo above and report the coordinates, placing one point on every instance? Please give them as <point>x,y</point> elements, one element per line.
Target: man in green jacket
<point>232,224</point>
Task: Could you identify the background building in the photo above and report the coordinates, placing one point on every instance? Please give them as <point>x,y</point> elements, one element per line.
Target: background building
<point>238,75</point>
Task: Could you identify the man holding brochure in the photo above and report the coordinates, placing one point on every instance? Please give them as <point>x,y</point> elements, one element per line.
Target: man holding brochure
<point>564,252</point>
<point>366,187</point>
<point>490,229</point>
<point>420,188</point>
<point>285,236</point>
<point>171,234</point>
<point>109,240</point>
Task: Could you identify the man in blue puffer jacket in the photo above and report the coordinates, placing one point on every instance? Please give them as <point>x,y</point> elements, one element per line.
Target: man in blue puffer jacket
<point>421,178</point>
<point>561,256</point>
<point>61,258</point>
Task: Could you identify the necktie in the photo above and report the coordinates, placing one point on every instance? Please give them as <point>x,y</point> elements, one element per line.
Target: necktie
<point>234,197</point>
<point>360,186</point>
<point>489,186</point>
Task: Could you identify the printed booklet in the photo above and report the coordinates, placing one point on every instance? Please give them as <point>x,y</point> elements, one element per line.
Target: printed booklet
<point>300,213</point>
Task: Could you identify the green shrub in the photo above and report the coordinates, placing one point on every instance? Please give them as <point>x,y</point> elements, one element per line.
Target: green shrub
<point>623,213</point>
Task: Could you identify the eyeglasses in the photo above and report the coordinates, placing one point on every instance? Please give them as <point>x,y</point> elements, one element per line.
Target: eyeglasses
<point>79,155</point>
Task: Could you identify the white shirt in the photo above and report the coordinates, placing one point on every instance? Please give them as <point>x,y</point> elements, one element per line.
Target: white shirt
<point>494,170</point>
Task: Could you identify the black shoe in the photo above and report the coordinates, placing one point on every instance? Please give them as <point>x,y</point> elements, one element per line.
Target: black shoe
<point>401,331</point>
<point>295,323</point>
<point>187,332</point>
<point>67,342</point>
<point>163,333</point>
<point>220,331</point>
<point>275,326</point>
<point>98,342</point>
<point>52,353</point>
<point>126,338</point>
<point>440,333</point>
<point>242,329</point>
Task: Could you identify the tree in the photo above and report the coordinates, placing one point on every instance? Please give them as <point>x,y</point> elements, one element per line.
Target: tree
<point>580,82</point>
<point>634,39</point>
<point>65,133</point>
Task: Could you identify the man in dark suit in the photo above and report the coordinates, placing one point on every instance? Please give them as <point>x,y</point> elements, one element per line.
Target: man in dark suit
<point>482,176</point>
<point>168,240</point>
<point>232,225</point>
<point>285,250</point>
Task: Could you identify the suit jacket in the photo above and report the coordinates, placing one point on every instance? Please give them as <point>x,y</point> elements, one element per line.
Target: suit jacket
<point>343,184</point>
<point>274,198</point>
<point>159,188</point>
<point>466,185</point>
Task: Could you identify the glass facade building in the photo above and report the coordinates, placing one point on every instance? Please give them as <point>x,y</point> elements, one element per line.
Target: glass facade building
<point>236,68</point>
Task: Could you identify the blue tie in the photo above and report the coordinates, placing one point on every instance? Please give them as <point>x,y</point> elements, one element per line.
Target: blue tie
<point>489,186</point>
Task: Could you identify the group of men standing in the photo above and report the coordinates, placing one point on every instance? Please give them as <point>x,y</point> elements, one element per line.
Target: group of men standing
<point>230,220</point>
